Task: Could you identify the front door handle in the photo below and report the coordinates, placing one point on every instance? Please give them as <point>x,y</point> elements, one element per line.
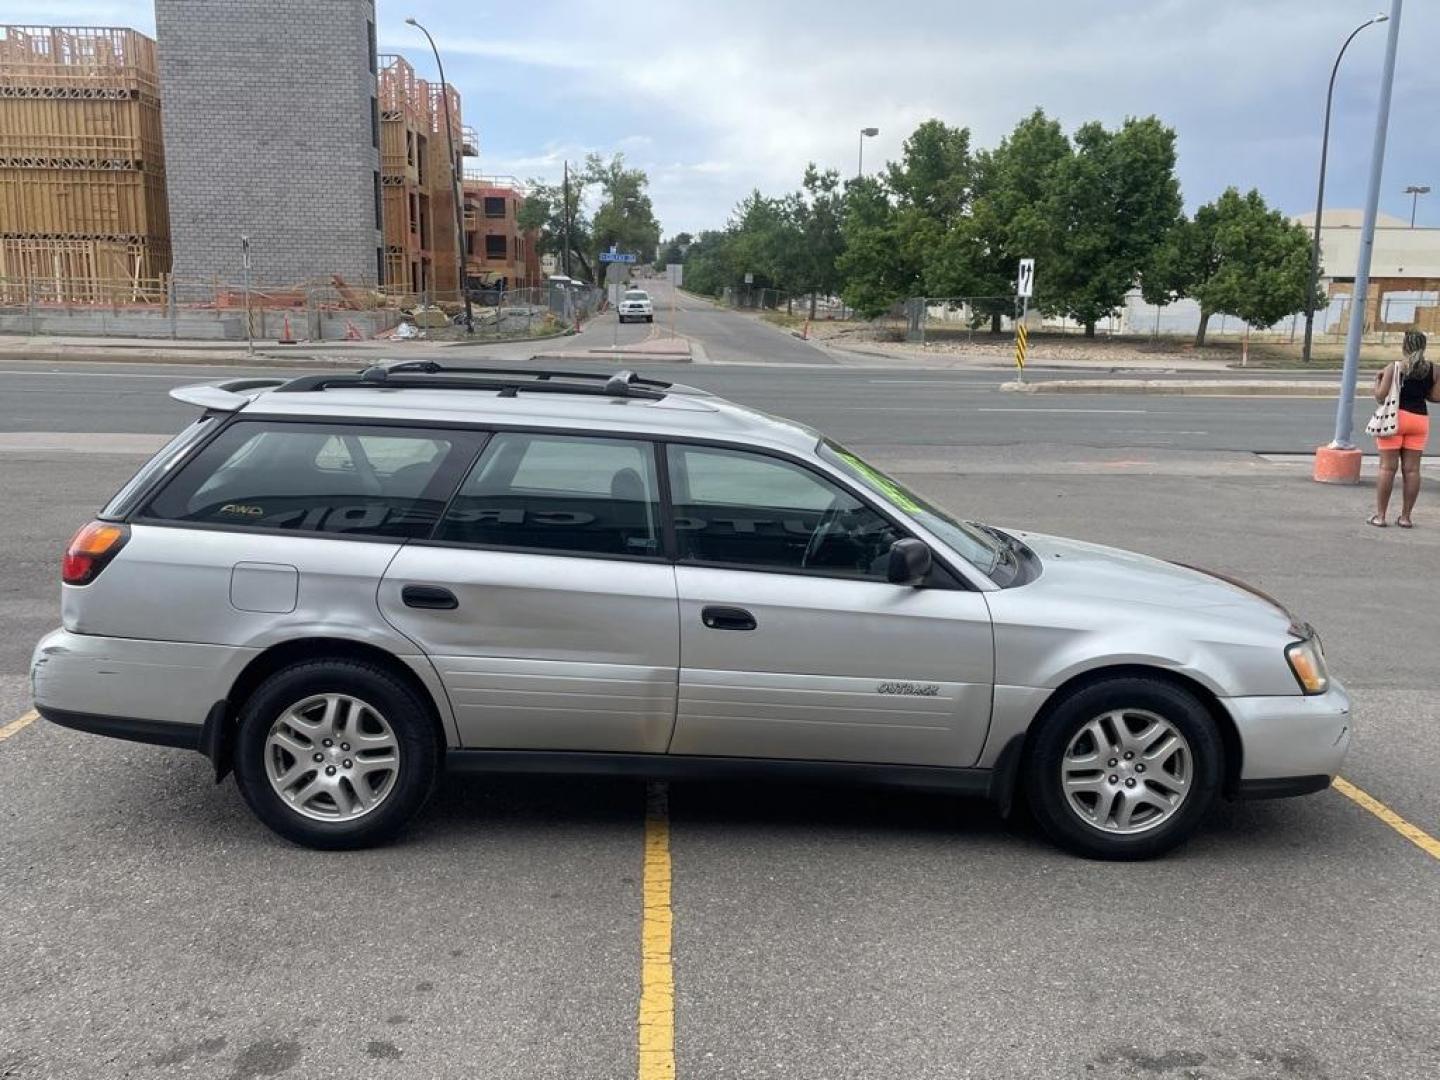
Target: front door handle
<point>429,596</point>
<point>727,618</point>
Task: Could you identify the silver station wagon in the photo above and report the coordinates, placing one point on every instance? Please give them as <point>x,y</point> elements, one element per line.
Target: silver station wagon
<point>340,585</point>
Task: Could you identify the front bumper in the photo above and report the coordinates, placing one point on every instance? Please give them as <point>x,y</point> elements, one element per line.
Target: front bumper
<point>1291,745</point>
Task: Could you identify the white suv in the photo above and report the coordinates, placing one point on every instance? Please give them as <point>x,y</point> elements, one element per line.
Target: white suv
<point>343,583</point>
<point>636,304</point>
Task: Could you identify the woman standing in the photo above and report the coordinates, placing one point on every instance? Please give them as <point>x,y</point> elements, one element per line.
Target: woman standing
<point>1403,449</point>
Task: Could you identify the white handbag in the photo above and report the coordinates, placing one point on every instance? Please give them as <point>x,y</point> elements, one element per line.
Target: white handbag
<point>1386,420</point>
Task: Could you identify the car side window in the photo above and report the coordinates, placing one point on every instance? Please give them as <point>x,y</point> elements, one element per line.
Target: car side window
<point>735,507</point>
<point>317,478</point>
<point>568,494</point>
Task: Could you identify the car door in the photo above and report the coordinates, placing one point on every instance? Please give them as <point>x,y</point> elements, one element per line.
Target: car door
<point>545,599</point>
<point>792,642</point>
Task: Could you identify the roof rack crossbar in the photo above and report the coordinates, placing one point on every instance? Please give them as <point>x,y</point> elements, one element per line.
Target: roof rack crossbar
<point>508,388</point>
<point>435,367</point>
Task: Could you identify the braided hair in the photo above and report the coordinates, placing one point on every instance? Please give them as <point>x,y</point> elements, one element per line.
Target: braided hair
<point>1414,365</point>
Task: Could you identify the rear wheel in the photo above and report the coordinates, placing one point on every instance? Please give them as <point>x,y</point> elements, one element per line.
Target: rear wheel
<point>1124,769</point>
<point>335,753</point>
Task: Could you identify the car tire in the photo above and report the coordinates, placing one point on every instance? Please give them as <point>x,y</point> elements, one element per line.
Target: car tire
<point>393,763</point>
<point>650,318</point>
<point>1087,795</point>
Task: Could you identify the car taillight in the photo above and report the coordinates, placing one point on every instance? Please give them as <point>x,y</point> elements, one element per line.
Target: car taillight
<point>91,550</point>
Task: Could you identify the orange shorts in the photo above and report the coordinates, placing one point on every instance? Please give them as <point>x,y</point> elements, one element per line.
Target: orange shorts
<point>1414,430</point>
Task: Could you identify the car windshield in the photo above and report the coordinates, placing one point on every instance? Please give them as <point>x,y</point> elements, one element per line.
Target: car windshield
<point>637,296</point>
<point>982,549</point>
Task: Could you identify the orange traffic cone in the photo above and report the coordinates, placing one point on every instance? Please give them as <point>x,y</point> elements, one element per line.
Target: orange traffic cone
<point>287,338</point>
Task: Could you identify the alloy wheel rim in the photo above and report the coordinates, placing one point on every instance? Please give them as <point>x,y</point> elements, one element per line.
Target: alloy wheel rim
<point>1127,771</point>
<point>332,757</point>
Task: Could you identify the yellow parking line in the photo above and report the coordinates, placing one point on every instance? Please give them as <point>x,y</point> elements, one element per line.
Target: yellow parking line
<point>1416,835</point>
<point>18,725</point>
<point>657,973</point>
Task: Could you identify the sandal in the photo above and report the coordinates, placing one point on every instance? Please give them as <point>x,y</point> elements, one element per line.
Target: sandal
<point>1378,521</point>
<point>1404,524</point>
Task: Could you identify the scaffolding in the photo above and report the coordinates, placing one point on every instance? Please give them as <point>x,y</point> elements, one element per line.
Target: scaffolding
<point>82,164</point>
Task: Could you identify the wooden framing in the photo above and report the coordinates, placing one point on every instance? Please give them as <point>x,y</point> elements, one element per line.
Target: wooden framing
<point>82,162</point>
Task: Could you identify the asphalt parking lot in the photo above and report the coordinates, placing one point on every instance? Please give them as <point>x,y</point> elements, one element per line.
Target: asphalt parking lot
<point>149,926</point>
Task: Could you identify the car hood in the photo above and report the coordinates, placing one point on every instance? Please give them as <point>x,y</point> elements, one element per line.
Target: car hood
<point>1104,573</point>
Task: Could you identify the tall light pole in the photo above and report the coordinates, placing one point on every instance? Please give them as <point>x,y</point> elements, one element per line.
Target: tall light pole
<point>454,182</point>
<point>1320,191</point>
<point>1340,461</point>
<point>1415,191</point>
<point>865,133</point>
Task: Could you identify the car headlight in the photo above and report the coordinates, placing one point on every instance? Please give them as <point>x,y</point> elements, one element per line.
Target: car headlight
<point>1307,661</point>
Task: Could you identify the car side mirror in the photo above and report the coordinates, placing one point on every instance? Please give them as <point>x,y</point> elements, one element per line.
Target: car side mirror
<point>909,562</point>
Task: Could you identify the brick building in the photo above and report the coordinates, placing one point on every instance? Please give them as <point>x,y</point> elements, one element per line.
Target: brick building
<point>498,254</point>
<point>273,130</point>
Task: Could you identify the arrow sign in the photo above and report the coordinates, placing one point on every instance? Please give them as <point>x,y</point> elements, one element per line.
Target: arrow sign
<point>1025,280</point>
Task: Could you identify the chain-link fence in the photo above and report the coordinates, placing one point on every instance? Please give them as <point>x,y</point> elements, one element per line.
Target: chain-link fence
<point>960,318</point>
<point>802,305</point>
<point>234,311</point>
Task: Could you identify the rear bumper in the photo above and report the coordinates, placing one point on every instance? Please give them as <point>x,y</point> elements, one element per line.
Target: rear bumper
<point>156,732</point>
<point>1291,745</point>
<point>152,691</point>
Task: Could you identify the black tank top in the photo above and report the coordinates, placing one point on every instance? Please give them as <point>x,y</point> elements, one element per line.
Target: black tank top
<point>1414,392</point>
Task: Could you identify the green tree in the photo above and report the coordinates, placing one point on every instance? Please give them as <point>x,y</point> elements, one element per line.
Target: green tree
<point>1236,257</point>
<point>816,217</point>
<point>544,213</point>
<point>891,227</point>
<point>673,250</point>
<point>980,252</point>
<point>1108,206</point>
<point>625,217</point>
<point>709,263</point>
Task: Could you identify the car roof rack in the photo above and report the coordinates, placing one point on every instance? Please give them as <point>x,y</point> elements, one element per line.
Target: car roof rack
<point>509,382</point>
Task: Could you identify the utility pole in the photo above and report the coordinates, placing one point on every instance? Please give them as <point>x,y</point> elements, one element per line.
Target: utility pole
<point>1340,461</point>
<point>565,218</point>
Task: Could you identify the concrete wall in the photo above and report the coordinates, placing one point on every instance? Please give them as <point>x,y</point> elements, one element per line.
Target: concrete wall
<point>194,325</point>
<point>267,119</point>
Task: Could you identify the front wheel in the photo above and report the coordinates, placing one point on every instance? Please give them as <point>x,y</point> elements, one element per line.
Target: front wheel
<point>335,753</point>
<point>1124,769</point>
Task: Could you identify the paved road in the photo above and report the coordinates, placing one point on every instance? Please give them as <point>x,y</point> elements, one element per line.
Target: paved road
<point>862,406</point>
<point>149,927</point>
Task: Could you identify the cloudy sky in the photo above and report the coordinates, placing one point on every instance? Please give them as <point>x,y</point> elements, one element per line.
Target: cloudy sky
<point>716,98</point>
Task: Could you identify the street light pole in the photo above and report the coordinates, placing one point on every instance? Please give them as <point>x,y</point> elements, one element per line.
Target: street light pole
<point>454,182</point>
<point>870,133</point>
<point>1415,191</point>
<point>1320,191</point>
<point>1341,460</point>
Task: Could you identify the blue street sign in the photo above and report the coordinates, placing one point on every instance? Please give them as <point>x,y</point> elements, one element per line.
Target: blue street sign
<point>616,256</point>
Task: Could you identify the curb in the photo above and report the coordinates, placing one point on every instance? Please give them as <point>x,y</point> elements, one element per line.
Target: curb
<point>1193,387</point>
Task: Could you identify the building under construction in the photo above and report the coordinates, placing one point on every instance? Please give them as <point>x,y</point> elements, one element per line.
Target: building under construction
<point>83,213</point>
<point>499,255</point>
<point>417,177</point>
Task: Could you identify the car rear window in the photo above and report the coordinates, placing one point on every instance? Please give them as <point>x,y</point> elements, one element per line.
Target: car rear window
<point>153,470</point>
<point>318,478</point>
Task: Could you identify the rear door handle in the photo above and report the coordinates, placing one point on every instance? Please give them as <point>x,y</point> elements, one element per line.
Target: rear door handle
<point>429,596</point>
<point>727,618</point>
